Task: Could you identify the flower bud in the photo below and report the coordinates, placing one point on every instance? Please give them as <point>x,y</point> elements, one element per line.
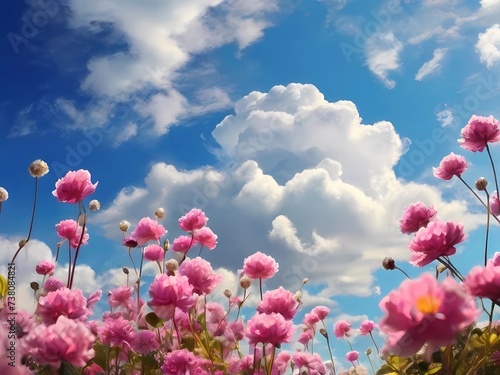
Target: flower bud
<point>94,205</point>
<point>124,225</point>
<point>166,245</point>
<point>160,213</point>
<point>125,270</point>
<point>23,243</point>
<point>227,293</point>
<point>368,351</point>
<point>38,168</point>
<point>34,285</point>
<point>388,263</point>
<point>481,184</point>
<point>441,268</point>
<point>4,194</point>
<point>298,296</point>
<point>81,220</point>
<point>172,265</point>
<point>245,282</point>
<point>324,332</point>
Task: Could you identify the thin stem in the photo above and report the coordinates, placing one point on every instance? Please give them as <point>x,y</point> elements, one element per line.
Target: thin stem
<point>374,343</point>
<point>479,198</point>
<point>69,264</point>
<point>329,348</point>
<point>404,273</point>
<point>176,330</point>
<point>491,312</point>
<point>487,229</point>
<point>451,267</point>
<point>79,245</point>
<point>370,360</point>
<point>260,287</point>
<point>493,167</point>
<point>132,259</point>
<point>139,282</point>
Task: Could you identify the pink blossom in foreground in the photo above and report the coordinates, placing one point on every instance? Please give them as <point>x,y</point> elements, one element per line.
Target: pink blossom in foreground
<point>52,284</point>
<point>366,327</point>
<point>194,219</point>
<point>305,337</point>
<point>147,230</point>
<point>182,244</point>
<point>44,267</point>
<point>154,253</point>
<point>478,132</point>
<point>216,318</point>
<point>311,364</point>
<point>342,329</point>
<point>205,237</point>
<point>352,356</point>
<point>200,275</point>
<point>451,165</point>
<point>71,231</point>
<point>416,216</point>
<point>281,362</point>
<point>64,301</point>
<point>94,298</point>
<point>269,329</point>
<point>260,266</point>
<point>170,292</point>
<point>145,341</point>
<point>66,340</point>
<point>74,187</point>
<point>495,204</point>
<point>117,332</point>
<point>310,319</point>
<point>437,239</point>
<point>423,311</point>
<point>278,301</point>
<point>180,361</point>
<point>484,282</point>
<point>494,261</point>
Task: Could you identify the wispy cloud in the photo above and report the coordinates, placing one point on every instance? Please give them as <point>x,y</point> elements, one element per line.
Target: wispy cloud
<point>24,124</point>
<point>445,117</point>
<point>382,56</point>
<point>432,66</point>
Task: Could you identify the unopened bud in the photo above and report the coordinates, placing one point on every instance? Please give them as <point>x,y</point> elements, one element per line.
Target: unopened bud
<point>305,281</point>
<point>94,205</point>
<point>388,263</point>
<point>227,293</point>
<point>23,243</point>
<point>34,285</point>
<point>125,270</point>
<point>4,195</point>
<point>160,213</point>
<point>298,296</point>
<point>81,220</point>
<point>481,183</point>
<point>245,282</point>
<point>323,332</point>
<point>368,351</point>
<point>172,265</point>
<point>441,268</point>
<point>166,245</point>
<point>124,225</point>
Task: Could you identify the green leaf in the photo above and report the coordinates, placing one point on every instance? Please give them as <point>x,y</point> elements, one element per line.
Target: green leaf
<point>386,370</point>
<point>68,369</point>
<point>434,370</point>
<point>153,320</point>
<point>3,286</point>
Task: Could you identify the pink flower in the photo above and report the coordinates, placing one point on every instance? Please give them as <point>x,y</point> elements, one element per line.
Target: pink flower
<point>194,219</point>
<point>154,253</point>
<point>170,292</point>
<point>495,204</point>
<point>311,364</point>
<point>281,362</point>
<point>74,187</point>
<point>200,275</point>
<point>451,165</point>
<point>44,267</point>
<point>145,341</point>
<point>342,329</point>
<point>484,282</point>
<point>66,340</point>
<point>205,237</point>
<point>478,132</point>
<point>269,329</point>
<point>94,298</point>
<point>437,239</point>
<point>52,284</point>
<point>279,301</point>
<point>305,337</point>
<point>121,297</point>
<point>182,244</point>
<point>310,319</point>
<point>71,231</point>
<point>117,332</point>
<point>260,266</point>
<point>416,216</point>
<point>352,356</point>
<point>179,362</point>
<point>495,261</point>
<point>216,318</point>
<point>366,327</point>
<point>147,230</point>
<point>64,301</point>
<point>129,242</point>
<point>321,311</point>
<point>423,311</point>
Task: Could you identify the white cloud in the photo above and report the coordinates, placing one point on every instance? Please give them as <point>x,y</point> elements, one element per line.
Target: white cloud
<point>489,3</point>
<point>433,65</point>
<point>382,56</point>
<point>128,131</point>
<point>24,124</point>
<point>320,194</point>
<point>488,46</point>
<point>445,117</point>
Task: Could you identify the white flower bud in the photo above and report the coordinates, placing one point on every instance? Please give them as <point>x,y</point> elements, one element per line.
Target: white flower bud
<point>94,205</point>
<point>172,265</point>
<point>124,225</point>
<point>38,168</point>
<point>245,282</point>
<point>160,213</point>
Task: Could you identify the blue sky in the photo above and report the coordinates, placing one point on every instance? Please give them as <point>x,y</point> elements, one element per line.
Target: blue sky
<point>302,128</point>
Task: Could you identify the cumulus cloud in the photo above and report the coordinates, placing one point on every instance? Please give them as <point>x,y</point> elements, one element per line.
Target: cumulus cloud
<point>305,181</point>
<point>488,46</point>
<point>382,56</point>
<point>432,66</point>
<point>445,117</point>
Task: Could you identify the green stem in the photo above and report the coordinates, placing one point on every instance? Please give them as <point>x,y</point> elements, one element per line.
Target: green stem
<point>479,198</point>
<point>487,230</point>
<point>493,167</point>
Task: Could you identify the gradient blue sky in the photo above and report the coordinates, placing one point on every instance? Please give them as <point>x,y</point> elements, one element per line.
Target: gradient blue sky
<point>302,128</point>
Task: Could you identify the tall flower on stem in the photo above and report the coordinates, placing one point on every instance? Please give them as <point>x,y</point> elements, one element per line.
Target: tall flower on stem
<point>260,266</point>
<point>74,186</point>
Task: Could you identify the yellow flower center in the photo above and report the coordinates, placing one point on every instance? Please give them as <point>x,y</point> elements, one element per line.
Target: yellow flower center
<point>428,304</point>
